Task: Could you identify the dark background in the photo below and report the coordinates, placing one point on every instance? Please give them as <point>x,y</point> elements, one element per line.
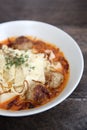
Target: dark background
<point>71,16</point>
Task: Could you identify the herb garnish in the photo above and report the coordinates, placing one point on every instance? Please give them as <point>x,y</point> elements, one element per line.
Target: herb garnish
<point>15,60</point>
<point>31,68</point>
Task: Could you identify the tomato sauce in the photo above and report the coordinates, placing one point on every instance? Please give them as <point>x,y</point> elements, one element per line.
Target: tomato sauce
<point>40,47</point>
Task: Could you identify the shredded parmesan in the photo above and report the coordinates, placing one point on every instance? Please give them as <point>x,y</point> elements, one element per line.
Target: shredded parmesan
<point>17,66</point>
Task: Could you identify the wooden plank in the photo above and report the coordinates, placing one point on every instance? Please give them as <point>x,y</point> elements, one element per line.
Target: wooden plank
<point>71,16</point>
<point>57,12</point>
<point>69,115</point>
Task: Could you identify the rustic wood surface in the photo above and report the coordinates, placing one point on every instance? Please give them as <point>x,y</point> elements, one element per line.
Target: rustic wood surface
<point>71,16</point>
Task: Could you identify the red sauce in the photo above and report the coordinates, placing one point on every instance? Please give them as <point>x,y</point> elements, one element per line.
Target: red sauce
<point>40,46</point>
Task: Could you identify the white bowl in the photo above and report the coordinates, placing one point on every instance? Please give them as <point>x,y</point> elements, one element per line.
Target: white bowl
<point>53,35</point>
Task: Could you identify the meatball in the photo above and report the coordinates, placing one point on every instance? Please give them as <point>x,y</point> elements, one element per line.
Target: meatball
<point>54,79</point>
<point>40,93</point>
<point>22,43</point>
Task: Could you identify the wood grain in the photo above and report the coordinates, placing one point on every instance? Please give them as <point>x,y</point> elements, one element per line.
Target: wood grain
<point>71,16</point>
<point>69,115</point>
<point>57,12</point>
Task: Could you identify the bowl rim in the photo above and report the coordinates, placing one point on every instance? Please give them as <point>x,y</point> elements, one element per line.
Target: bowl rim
<point>42,109</point>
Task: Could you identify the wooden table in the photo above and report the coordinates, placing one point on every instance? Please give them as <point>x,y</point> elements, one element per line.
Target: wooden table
<point>71,16</point>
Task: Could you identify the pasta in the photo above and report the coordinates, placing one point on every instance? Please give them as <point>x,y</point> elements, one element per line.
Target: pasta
<point>32,73</point>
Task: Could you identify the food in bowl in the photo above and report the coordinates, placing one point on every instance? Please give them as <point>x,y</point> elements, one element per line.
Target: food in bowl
<point>32,73</point>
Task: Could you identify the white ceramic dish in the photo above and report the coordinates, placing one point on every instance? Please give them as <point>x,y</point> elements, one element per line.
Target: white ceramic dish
<point>53,35</point>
